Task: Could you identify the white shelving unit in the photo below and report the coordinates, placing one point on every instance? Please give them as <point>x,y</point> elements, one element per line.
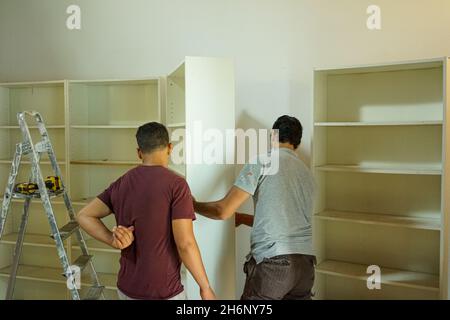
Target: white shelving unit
<point>49,99</point>
<point>103,118</point>
<point>93,133</point>
<point>380,159</point>
<point>92,125</point>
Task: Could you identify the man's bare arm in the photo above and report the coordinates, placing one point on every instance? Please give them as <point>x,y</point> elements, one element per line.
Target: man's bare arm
<point>89,219</point>
<point>224,208</point>
<point>190,255</point>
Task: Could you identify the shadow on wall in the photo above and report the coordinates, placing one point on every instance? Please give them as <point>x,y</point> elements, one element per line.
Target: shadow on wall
<point>245,121</point>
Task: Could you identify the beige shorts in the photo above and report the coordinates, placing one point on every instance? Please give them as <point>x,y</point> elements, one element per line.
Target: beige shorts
<point>123,296</point>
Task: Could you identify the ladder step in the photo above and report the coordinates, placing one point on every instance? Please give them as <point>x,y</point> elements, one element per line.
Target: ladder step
<point>17,195</point>
<point>82,261</point>
<point>94,293</point>
<point>67,230</point>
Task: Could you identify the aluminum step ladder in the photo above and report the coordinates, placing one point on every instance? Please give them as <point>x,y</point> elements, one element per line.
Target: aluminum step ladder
<point>72,272</point>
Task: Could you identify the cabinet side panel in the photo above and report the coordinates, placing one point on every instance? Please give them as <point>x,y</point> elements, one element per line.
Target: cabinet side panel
<point>445,242</point>
<point>210,103</point>
<point>319,157</point>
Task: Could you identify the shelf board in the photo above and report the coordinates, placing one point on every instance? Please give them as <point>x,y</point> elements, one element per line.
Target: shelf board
<point>378,123</point>
<point>385,67</point>
<point>97,246</point>
<point>35,127</point>
<point>134,126</point>
<point>53,275</point>
<point>393,277</point>
<point>34,240</point>
<point>56,201</point>
<point>178,169</point>
<point>381,219</point>
<point>176,125</point>
<point>105,162</point>
<point>58,83</point>
<point>81,202</point>
<point>9,161</point>
<point>127,82</point>
<point>430,170</point>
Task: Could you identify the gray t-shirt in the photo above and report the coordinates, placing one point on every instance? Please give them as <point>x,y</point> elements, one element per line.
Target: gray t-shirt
<point>283,207</point>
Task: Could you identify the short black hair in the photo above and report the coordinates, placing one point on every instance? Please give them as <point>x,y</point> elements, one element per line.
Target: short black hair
<point>152,136</point>
<point>289,130</point>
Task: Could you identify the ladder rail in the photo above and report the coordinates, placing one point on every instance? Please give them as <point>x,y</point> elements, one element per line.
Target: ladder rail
<point>10,186</point>
<point>67,201</point>
<point>18,250</point>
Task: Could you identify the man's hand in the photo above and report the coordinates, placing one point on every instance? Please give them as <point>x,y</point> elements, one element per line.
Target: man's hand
<point>122,237</point>
<point>243,219</point>
<point>207,294</point>
<point>222,209</point>
<point>238,219</point>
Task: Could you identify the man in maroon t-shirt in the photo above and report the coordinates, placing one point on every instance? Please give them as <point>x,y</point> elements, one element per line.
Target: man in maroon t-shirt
<point>154,213</point>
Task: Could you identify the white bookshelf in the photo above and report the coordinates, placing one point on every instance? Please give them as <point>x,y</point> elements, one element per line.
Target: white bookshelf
<point>38,253</point>
<point>92,125</point>
<point>104,117</point>
<point>378,146</point>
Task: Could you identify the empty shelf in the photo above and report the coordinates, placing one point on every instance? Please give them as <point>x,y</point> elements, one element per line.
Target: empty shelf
<point>176,125</point>
<point>53,275</point>
<point>381,219</point>
<point>106,162</point>
<point>430,170</point>
<point>97,246</point>
<point>36,240</point>
<point>35,127</point>
<point>393,277</point>
<point>9,161</point>
<point>81,202</point>
<point>55,201</point>
<point>378,123</point>
<point>106,126</point>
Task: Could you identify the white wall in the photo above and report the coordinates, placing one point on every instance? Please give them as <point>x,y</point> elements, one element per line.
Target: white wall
<point>274,43</point>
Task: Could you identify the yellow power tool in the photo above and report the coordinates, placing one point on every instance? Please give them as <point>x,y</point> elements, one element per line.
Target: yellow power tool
<point>52,183</point>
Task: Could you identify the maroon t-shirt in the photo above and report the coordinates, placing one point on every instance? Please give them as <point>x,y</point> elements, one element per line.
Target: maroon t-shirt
<point>149,198</point>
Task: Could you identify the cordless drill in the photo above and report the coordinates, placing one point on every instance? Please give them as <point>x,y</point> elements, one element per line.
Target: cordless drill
<point>52,183</point>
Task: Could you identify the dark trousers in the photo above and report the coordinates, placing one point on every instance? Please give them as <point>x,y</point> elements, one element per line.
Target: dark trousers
<point>286,277</point>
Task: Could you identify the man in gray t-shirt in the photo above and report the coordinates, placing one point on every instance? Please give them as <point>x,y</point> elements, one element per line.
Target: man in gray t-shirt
<point>281,262</point>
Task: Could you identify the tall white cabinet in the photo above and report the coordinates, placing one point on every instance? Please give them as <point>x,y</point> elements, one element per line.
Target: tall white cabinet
<point>92,125</point>
<point>381,162</point>
<point>200,97</point>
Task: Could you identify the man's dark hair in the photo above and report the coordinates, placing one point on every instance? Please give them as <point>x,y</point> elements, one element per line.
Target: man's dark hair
<point>152,136</point>
<point>289,130</point>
